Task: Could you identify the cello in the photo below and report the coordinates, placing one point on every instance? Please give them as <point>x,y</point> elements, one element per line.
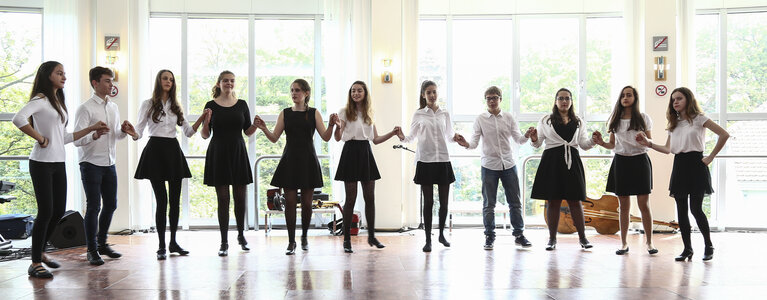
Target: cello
<point>602,214</point>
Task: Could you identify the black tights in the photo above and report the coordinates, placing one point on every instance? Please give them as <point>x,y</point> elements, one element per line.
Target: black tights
<point>49,180</point>
<point>291,196</point>
<point>162,197</point>
<point>576,212</point>
<point>696,207</point>
<point>368,194</point>
<point>222,194</point>
<point>428,204</point>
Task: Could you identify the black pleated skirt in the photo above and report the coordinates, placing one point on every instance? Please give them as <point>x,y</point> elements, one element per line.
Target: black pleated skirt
<point>357,162</point>
<point>630,175</point>
<point>162,159</point>
<point>434,173</point>
<point>553,181</point>
<point>690,175</point>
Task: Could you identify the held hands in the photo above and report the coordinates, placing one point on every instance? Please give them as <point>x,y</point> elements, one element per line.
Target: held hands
<point>100,129</point>
<point>400,134</point>
<point>259,123</point>
<point>206,114</point>
<point>127,127</point>
<point>460,140</point>
<point>334,120</point>
<point>532,134</point>
<point>641,138</point>
<point>396,131</point>
<point>596,137</point>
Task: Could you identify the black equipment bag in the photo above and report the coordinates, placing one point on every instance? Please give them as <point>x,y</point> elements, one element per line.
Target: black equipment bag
<point>16,226</point>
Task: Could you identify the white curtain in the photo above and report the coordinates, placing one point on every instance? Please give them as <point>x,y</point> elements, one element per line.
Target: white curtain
<point>141,199</point>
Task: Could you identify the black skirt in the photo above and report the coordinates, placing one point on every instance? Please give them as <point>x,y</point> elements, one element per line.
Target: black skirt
<point>553,181</point>
<point>434,173</point>
<point>630,175</point>
<point>162,159</point>
<point>690,175</point>
<point>357,162</point>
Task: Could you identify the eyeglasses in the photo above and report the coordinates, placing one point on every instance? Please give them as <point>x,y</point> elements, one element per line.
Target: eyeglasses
<point>563,98</point>
<point>493,98</point>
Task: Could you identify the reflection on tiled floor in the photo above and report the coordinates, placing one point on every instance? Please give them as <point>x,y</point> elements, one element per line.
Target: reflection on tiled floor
<point>401,271</point>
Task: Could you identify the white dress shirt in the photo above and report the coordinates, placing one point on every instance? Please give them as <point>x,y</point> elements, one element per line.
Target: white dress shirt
<point>496,132</point>
<point>625,140</point>
<point>688,137</point>
<point>50,125</point>
<point>357,129</point>
<point>547,133</point>
<point>100,152</point>
<point>167,125</point>
<point>432,129</point>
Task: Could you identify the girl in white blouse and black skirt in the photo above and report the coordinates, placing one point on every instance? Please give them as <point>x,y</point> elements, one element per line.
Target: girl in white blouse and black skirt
<point>690,177</point>
<point>356,129</point>
<point>631,169</point>
<point>432,128</point>
<point>560,173</point>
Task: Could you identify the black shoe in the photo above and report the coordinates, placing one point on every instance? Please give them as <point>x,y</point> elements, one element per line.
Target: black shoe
<point>489,242</point>
<point>39,271</point>
<point>161,254</point>
<point>522,241</point>
<point>243,243</point>
<point>708,254</point>
<point>443,241</point>
<point>373,242</point>
<point>223,250</point>
<point>175,248</point>
<point>686,254</point>
<point>291,248</point>
<point>652,250</point>
<point>622,251</point>
<point>106,250</point>
<point>551,245</point>
<point>585,243</point>
<point>304,243</point>
<point>348,246</point>
<point>427,247</point>
<point>51,263</point>
<point>94,258</point>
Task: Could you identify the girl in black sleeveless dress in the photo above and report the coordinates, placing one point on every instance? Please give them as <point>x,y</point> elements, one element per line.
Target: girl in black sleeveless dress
<point>299,167</point>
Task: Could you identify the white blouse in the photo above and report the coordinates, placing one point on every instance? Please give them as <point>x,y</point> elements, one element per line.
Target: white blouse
<point>432,130</point>
<point>547,133</point>
<point>167,125</point>
<point>688,137</point>
<point>625,140</point>
<point>49,124</point>
<point>357,129</point>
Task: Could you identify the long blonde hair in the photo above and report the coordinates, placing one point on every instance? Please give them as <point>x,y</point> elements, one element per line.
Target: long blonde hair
<point>367,109</point>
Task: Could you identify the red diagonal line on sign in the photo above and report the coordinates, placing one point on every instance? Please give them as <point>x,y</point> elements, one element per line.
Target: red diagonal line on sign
<point>115,40</point>
<point>661,42</point>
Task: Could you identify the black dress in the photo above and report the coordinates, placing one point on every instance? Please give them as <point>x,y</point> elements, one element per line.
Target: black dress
<point>299,167</point>
<point>226,162</point>
<point>553,181</point>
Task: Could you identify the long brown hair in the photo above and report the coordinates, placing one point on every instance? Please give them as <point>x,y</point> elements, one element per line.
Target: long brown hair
<point>155,111</point>
<point>421,99</point>
<point>555,118</point>
<point>367,110</point>
<point>216,88</point>
<point>636,123</point>
<point>691,111</point>
<point>43,85</point>
<point>304,85</point>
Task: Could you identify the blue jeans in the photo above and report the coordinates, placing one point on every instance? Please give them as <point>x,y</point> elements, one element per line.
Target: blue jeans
<point>98,183</point>
<point>510,183</point>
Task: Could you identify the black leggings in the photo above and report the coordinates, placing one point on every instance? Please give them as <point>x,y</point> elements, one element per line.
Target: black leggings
<point>222,194</point>
<point>162,196</point>
<point>49,180</point>
<point>428,204</point>
<point>696,207</point>
<point>291,196</point>
<point>368,194</point>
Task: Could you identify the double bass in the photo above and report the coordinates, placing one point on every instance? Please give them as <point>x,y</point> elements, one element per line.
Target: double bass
<point>602,214</point>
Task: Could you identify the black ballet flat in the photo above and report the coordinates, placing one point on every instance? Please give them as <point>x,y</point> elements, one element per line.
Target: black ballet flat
<point>708,254</point>
<point>373,242</point>
<point>304,243</point>
<point>243,243</point>
<point>224,250</point>
<point>175,248</point>
<point>552,245</point>
<point>161,254</point>
<point>652,251</point>
<point>686,254</point>
<point>39,271</point>
<point>443,241</point>
<point>348,246</point>
<point>427,247</point>
<point>622,251</point>
<point>586,245</point>
<point>291,248</point>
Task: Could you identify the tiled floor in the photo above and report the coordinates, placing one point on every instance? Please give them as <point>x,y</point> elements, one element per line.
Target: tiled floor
<point>401,271</point>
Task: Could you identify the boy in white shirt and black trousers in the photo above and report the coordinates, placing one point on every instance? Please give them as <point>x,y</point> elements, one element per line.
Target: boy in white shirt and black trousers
<point>97,163</point>
<point>497,128</point>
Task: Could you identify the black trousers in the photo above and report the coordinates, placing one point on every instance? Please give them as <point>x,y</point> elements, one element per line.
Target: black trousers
<point>50,182</point>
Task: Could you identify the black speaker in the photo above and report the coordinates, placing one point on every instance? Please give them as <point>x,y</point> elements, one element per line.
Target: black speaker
<point>70,232</point>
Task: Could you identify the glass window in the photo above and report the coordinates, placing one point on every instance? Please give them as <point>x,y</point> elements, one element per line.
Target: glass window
<point>604,63</point>
<point>432,55</point>
<point>746,62</point>
<point>706,56</point>
<point>165,41</point>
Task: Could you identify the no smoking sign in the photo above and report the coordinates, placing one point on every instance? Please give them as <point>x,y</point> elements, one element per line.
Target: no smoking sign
<point>661,90</point>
